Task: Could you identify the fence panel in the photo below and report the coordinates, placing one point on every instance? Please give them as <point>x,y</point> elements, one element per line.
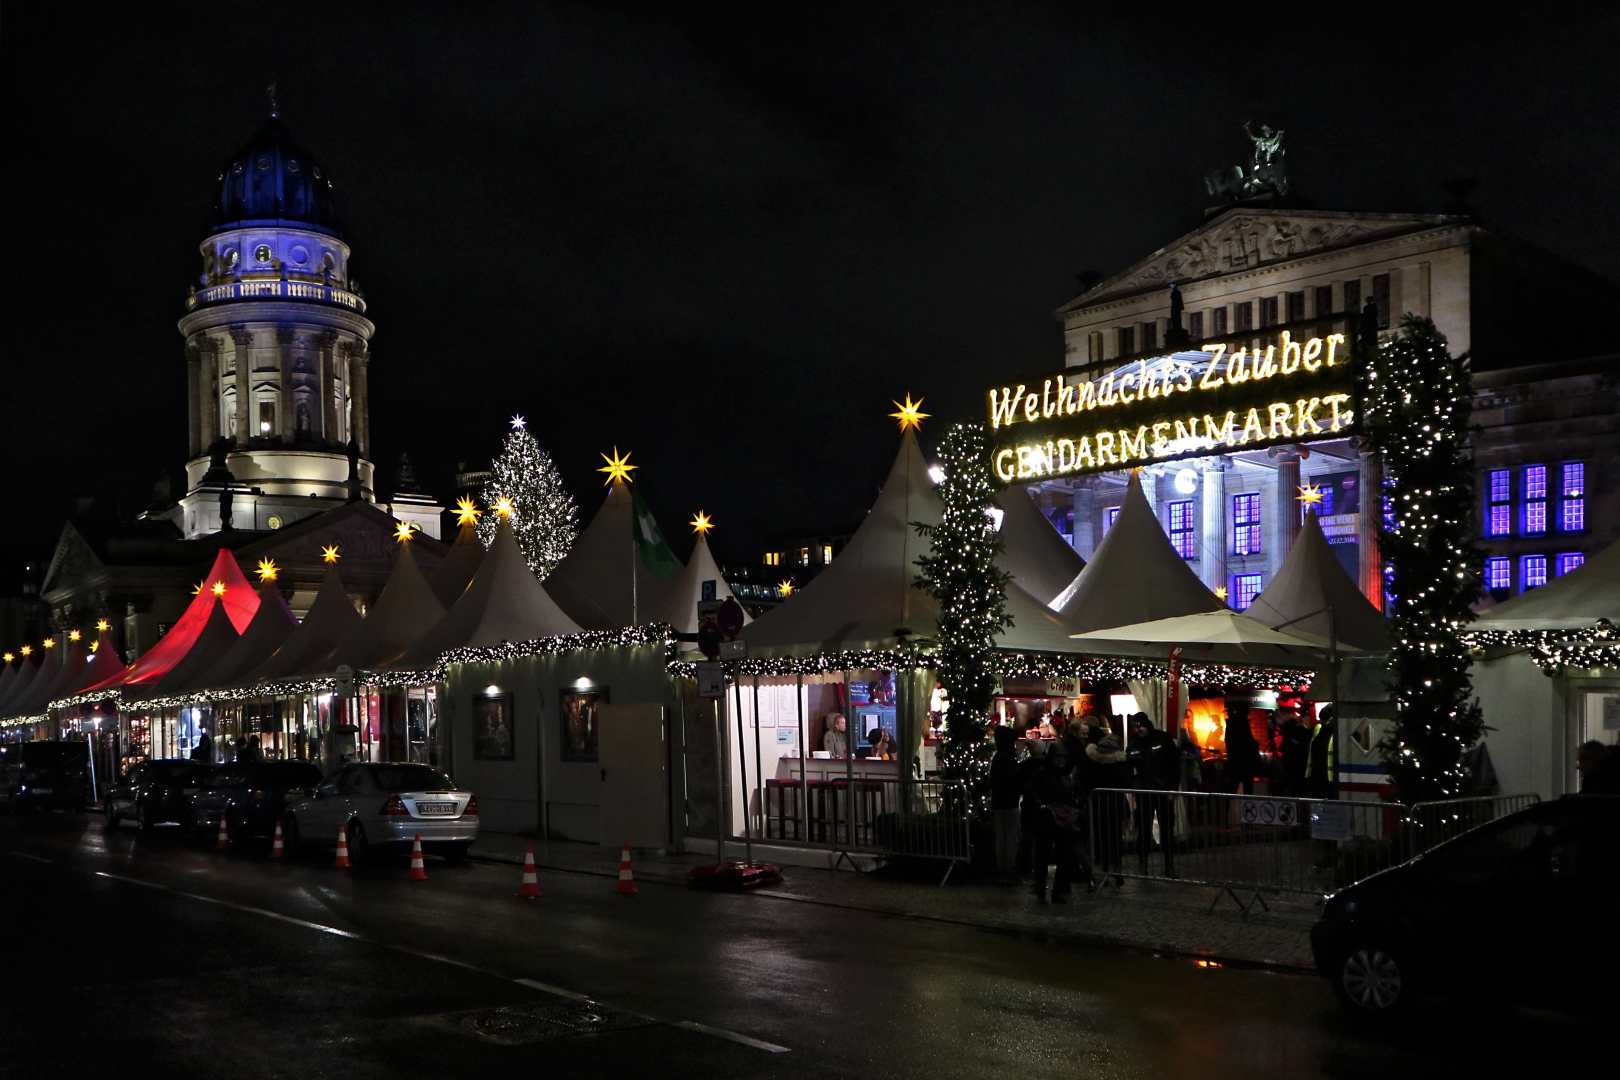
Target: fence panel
<point>1432,823</point>
<point>922,819</point>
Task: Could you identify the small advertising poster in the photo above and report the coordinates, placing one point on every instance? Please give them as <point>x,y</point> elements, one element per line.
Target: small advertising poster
<point>492,727</point>
<point>1339,514</point>
<point>579,721</point>
<point>874,702</point>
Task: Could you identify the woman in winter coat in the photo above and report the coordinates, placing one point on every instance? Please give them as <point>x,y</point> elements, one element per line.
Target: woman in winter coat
<point>1105,767</point>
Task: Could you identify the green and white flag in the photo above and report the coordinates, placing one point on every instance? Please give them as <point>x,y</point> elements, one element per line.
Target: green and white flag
<point>655,553</point>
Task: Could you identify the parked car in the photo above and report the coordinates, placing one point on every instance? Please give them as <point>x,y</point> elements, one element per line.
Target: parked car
<point>383,807</point>
<point>45,775</point>
<point>1520,910</point>
<point>251,796</point>
<point>153,792</point>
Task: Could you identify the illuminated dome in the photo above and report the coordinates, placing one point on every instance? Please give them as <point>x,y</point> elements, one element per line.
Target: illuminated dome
<point>274,179</point>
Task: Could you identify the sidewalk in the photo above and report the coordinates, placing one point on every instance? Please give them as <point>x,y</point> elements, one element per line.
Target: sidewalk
<point>1149,915</point>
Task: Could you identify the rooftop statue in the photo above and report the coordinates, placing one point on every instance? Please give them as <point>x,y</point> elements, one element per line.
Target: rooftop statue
<point>1266,173</point>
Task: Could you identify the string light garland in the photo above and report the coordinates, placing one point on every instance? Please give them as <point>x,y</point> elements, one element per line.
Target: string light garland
<point>542,514</point>
<point>1417,402</point>
<point>1595,646</point>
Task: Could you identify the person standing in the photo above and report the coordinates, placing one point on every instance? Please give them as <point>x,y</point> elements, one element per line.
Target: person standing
<point>1155,762</point>
<point>1296,749</point>
<point>1322,771</point>
<point>1105,767</point>
<point>1006,790</point>
<point>1242,748</point>
<point>1057,825</point>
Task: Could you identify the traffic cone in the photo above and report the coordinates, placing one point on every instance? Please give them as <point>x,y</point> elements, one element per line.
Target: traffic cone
<point>278,850</point>
<point>342,860</point>
<point>224,841</point>
<point>531,884</point>
<point>627,880</point>
<point>418,871</point>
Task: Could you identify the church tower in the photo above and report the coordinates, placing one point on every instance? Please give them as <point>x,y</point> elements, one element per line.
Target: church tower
<point>277,350</point>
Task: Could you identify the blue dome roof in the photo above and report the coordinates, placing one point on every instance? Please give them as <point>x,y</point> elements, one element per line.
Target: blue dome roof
<point>273,178</point>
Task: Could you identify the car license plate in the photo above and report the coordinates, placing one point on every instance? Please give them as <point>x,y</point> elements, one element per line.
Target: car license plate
<point>44,791</point>
<point>435,808</point>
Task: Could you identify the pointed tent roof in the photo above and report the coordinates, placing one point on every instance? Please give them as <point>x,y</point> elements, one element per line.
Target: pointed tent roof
<point>405,610</point>
<point>1310,579</point>
<point>455,571</point>
<point>271,626</point>
<point>7,673</point>
<point>69,671</point>
<point>592,584</point>
<point>240,602</point>
<point>680,609</point>
<point>22,701</point>
<point>330,621</point>
<point>1135,575</point>
<point>1573,601</point>
<point>1033,552</point>
<point>101,660</point>
<point>18,687</point>
<point>504,602</point>
<point>217,638</point>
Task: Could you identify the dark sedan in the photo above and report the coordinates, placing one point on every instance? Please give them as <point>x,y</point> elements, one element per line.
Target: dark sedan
<point>155,792</point>
<point>251,796</point>
<point>1519,911</point>
<point>45,775</point>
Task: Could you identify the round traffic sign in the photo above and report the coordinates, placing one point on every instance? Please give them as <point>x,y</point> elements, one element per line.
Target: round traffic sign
<point>708,640</point>
<point>730,617</point>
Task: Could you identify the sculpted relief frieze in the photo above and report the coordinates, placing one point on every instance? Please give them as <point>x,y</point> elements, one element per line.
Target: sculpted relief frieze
<point>1243,243</point>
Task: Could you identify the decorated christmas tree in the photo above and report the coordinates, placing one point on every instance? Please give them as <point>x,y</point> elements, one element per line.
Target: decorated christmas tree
<point>544,518</point>
<point>1417,405</point>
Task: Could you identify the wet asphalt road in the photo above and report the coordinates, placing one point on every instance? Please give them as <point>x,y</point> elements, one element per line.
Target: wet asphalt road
<point>135,955</point>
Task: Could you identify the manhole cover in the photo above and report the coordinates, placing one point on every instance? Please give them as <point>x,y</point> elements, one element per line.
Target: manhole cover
<point>514,1025</point>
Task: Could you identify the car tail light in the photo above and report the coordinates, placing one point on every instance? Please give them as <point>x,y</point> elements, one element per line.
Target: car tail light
<point>256,795</point>
<point>472,807</point>
<point>395,807</point>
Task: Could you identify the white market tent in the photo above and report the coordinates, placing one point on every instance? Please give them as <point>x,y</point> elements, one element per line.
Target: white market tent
<point>1134,576</point>
<point>272,625</point>
<point>504,602</point>
<point>1239,638</point>
<point>30,679</point>
<point>217,638</point>
<point>330,621</point>
<point>101,659</point>
<point>1574,601</point>
<point>1040,561</point>
<point>405,610</point>
<point>680,610</point>
<point>68,674</point>
<point>455,571</point>
<point>593,583</point>
<point>1311,578</point>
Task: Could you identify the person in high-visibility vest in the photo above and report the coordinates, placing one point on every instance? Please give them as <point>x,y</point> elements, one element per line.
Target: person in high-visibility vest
<point>1322,772</point>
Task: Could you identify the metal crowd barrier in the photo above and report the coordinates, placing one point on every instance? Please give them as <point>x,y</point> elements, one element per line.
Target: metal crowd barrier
<point>915,819</point>
<point>1256,844</point>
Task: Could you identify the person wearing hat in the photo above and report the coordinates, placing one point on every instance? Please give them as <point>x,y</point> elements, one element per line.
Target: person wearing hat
<point>1057,824</point>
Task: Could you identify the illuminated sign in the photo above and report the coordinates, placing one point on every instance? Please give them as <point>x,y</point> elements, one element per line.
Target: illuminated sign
<point>1239,393</point>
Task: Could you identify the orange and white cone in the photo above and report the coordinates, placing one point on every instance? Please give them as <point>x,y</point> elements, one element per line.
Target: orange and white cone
<point>418,871</point>
<point>278,850</point>
<point>627,880</point>
<point>342,860</point>
<point>531,884</point>
<point>224,841</point>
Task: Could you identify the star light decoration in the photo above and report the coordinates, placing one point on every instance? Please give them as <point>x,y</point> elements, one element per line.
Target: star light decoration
<point>330,553</point>
<point>910,415</point>
<point>103,624</point>
<point>50,643</point>
<point>74,635</point>
<point>466,511</point>
<point>785,587</point>
<point>28,650</point>
<point>503,507</point>
<point>518,423</point>
<point>1220,592</point>
<point>1311,495</point>
<point>267,569</point>
<point>10,657</point>
<point>702,523</point>
<point>219,588</point>
<point>402,531</point>
<point>617,468</point>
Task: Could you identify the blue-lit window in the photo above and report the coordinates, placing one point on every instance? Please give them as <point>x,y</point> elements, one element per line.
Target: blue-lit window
<point>1183,529</point>
<point>1535,500</point>
<point>1532,571</point>
<point>1572,496</point>
<point>1110,514</point>
<point>1499,573</point>
<point>1245,587</point>
<point>1570,560</point>
<point>1499,503</point>
<point>1246,525</point>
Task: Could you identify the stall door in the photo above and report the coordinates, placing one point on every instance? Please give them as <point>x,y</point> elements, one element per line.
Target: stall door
<point>633,799</point>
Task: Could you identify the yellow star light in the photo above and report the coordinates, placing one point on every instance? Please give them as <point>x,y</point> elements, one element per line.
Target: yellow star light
<point>267,570</point>
<point>196,590</point>
<point>10,657</point>
<point>50,643</point>
<point>402,531</point>
<point>103,624</point>
<point>466,511</point>
<point>910,415</point>
<point>1220,592</point>
<point>618,468</point>
<point>785,587</point>
<point>503,507</point>
<point>219,588</point>
<point>74,635</point>
<point>94,645</point>
<point>329,553</point>
<point>702,523</point>
<point>28,650</point>
<point>1311,494</point>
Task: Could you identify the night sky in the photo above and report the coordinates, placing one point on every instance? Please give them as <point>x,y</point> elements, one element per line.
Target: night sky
<point>723,242</point>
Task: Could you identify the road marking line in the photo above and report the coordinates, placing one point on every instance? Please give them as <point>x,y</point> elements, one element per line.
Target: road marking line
<point>533,984</point>
<point>722,1033</point>
<point>32,858</point>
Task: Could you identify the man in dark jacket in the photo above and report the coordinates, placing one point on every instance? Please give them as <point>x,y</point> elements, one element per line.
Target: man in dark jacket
<point>1295,750</point>
<point>1105,768</point>
<point>1057,824</point>
<point>1006,789</point>
<point>1322,772</point>
<point>1155,762</point>
<point>1242,748</point>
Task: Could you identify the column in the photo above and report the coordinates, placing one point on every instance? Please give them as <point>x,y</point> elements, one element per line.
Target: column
<point>325,345</point>
<point>208,393</point>
<point>1212,568</point>
<point>1371,482</point>
<point>1085,517</point>
<point>286,421</point>
<point>194,399</point>
<point>359,410</point>
<point>243,340</point>
<point>1286,504</point>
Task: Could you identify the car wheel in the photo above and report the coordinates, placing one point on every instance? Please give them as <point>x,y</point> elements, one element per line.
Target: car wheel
<point>289,835</point>
<point>357,842</point>
<point>1374,980</point>
<point>143,818</point>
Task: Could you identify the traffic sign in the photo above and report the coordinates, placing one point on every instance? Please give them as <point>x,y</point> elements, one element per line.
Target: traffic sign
<point>711,680</point>
<point>731,617</point>
<point>709,590</point>
<point>736,649</point>
<point>708,640</point>
<point>345,681</point>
